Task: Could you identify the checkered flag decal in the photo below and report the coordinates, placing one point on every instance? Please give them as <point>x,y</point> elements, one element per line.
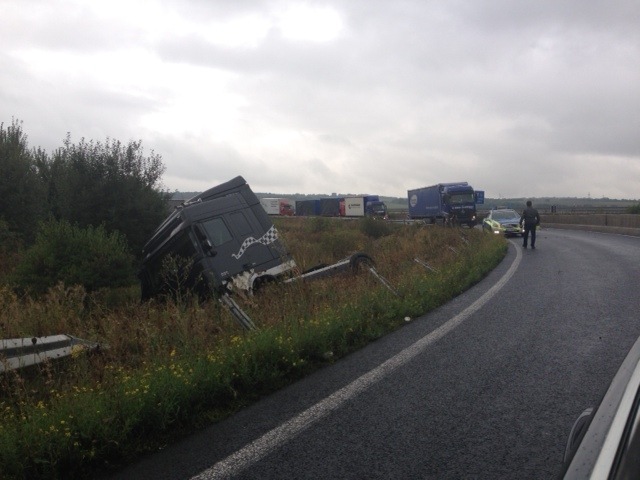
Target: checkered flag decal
<point>268,238</point>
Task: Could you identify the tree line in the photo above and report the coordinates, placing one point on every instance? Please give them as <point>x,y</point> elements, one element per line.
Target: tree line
<point>86,208</point>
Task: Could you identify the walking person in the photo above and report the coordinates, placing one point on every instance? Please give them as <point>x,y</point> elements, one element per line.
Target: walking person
<point>531,219</point>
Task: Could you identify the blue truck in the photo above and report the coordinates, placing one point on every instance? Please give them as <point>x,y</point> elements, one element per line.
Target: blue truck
<point>309,208</point>
<point>374,207</point>
<point>363,206</point>
<point>359,206</point>
<point>448,203</point>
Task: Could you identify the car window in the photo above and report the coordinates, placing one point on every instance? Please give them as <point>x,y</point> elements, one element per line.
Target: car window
<point>504,215</point>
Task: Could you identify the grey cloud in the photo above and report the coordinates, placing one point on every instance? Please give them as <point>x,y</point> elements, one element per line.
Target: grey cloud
<point>57,26</point>
<point>411,93</point>
<point>73,108</point>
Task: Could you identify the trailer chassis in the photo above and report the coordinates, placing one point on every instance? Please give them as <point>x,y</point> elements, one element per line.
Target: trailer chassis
<point>351,263</point>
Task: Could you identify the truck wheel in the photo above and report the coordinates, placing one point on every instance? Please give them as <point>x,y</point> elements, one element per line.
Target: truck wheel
<point>260,282</point>
<point>360,258</point>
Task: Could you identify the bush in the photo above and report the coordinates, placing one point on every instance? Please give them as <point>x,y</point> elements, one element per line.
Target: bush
<point>90,257</point>
<point>22,190</point>
<point>110,183</point>
<point>375,228</point>
<point>10,246</point>
<point>635,209</point>
<point>319,224</point>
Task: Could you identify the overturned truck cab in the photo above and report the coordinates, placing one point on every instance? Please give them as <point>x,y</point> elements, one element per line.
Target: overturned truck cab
<point>224,236</point>
<point>222,241</point>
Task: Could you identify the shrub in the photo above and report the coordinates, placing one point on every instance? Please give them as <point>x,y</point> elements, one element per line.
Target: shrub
<point>10,246</point>
<point>90,257</point>
<point>319,224</point>
<point>110,183</point>
<point>22,190</point>
<point>375,228</point>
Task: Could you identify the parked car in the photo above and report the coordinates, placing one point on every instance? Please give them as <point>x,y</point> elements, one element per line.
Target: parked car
<point>605,441</point>
<point>505,221</point>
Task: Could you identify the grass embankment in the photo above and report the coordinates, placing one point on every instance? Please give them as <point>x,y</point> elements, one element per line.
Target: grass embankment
<point>171,368</point>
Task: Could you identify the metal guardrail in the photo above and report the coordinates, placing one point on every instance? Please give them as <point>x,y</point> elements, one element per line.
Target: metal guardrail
<point>24,352</point>
<point>575,210</point>
<point>601,219</point>
<point>543,209</point>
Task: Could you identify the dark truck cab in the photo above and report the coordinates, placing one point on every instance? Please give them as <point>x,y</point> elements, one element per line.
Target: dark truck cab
<point>226,237</point>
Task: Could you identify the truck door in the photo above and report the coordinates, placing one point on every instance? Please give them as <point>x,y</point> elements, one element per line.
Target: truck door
<point>218,244</point>
<point>255,244</point>
<point>238,243</point>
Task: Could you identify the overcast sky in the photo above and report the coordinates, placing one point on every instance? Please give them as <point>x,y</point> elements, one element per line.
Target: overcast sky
<point>519,98</point>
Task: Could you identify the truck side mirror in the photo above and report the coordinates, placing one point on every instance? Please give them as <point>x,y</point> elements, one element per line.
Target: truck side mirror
<point>208,248</point>
<point>205,242</point>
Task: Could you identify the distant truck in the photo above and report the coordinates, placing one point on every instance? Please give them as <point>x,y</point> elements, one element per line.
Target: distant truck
<point>374,207</point>
<point>330,207</point>
<point>308,208</point>
<point>449,203</point>
<point>278,206</point>
<point>361,206</point>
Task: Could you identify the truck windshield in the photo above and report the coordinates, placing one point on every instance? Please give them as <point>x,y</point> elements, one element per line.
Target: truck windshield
<point>460,198</point>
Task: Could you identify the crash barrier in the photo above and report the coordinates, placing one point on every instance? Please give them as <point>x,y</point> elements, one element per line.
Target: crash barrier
<point>620,223</point>
<point>625,224</point>
<point>24,352</point>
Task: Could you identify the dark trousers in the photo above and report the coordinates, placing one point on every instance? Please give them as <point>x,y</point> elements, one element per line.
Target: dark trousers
<point>527,229</point>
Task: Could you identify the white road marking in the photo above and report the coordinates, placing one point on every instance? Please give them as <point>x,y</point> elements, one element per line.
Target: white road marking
<point>273,439</point>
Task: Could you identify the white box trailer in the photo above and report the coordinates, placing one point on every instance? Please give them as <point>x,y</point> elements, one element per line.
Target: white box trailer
<point>271,205</point>
<point>278,206</point>
<point>354,206</point>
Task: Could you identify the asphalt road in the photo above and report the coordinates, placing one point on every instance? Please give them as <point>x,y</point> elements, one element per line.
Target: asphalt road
<point>486,387</point>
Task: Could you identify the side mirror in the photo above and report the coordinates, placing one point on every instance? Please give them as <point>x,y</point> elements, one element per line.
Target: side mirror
<point>205,242</point>
<point>208,248</point>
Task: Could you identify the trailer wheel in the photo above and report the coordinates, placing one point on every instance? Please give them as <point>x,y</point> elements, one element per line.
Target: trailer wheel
<point>360,258</point>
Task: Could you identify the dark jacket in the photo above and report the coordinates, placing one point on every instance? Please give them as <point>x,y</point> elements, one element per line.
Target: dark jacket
<point>530,216</point>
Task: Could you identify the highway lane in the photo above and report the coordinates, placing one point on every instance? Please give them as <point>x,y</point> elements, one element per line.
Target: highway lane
<point>493,396</point>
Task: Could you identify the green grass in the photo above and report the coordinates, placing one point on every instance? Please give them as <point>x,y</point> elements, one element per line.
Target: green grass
<point>167,369</point>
